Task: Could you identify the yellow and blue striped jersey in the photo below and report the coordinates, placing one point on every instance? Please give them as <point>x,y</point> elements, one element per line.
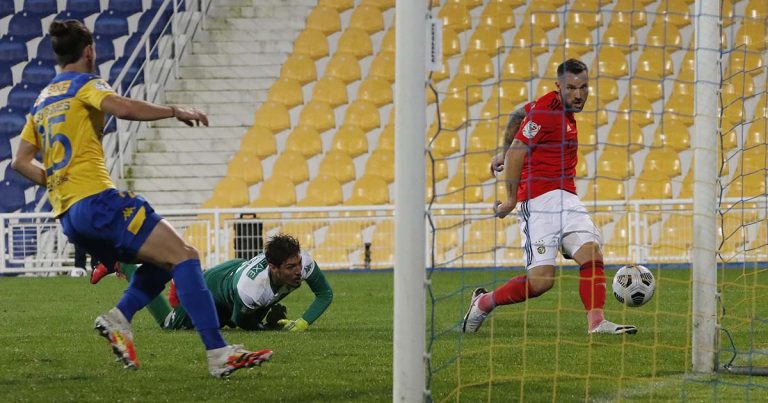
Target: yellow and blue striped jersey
<point>66,124</point>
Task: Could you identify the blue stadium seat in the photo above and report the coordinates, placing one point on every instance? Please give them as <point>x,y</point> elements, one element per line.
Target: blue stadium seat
<point>105,49</point>
<point>6,8</point>
<point>156,4</point>
<point>15,177</point>
<point>84,7</point>
<point>132,72</point>
<point>12,121</point>
<point>23,96</point>
<point>40,8</point>
<point>24,239</point>
<point>146,19</point>
<point>125,7</point>
<point>70,15</point>
<point>133,41</point>
<point>13,196</point>
<point>25,26</point>
<point>5,148</point>
<point>12,50</point>
<point>45,51</point>
<point>110,25</point>
<point>6,76</point>
<point>38,73</point>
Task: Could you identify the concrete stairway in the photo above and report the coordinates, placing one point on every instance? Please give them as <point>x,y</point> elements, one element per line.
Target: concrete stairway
<point>227,74</point>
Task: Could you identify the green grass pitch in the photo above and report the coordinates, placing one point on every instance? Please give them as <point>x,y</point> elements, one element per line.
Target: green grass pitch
<point>530,352</point>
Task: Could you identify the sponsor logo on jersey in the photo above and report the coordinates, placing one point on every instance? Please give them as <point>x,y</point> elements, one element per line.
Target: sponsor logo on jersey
<point>102,85</point>
<point>531,129</point>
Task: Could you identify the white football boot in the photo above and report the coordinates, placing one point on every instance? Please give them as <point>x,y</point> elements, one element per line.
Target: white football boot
<point>117,330</point>
<point>228,359</point>
<point>474,317</point>
<point>608,327</point>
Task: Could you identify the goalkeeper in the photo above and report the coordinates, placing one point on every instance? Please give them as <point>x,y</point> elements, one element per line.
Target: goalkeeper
<point>247,293</point>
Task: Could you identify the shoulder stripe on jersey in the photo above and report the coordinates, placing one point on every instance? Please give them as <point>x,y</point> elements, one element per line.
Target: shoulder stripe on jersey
<point>78,80</point>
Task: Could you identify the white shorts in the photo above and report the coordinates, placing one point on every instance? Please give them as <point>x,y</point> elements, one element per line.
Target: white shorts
<point>553,221</point>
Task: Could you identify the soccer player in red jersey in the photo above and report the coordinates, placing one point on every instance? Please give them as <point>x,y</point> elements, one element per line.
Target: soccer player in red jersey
<point>540,165</point>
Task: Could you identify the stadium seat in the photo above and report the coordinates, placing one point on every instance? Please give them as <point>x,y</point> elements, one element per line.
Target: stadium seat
<point>747,186</point>
<point>606,89</point>
<point>232,191</point>
<point>673,134</point>
<point>382,5</point>
<point>652,185</point>
<point>456,17</point>
<point>476,165</point>
<point>466,88</point>
<point>681,109</point>
<point>7,8</point>
<point>531,38</point>
<point>462,189</point>
<point>324,19</point>
<point>292,165</point>
<point>578,39</point>
<point>247,167</point>
<point>375,90</point>
<point>305,141</point>
<point>486,136</point>
<point>744,60</point>
<point>5,147</point>
<point>626,133</point>
<point>636,109</point>
<point>664,36</point>
<point>497,15</point>
<point>339,165</point>
<point>604,188</point>
<point>273,116</point>
<point>373,188</point>
<point>545,87</point>
<point>259,142</point>
<point>453,113</point>
<point>654,64</point>
<point>160,26</point>
<point>330,90</point>
<point>437,170</point>
<point>45,50</point>
<point>38,73</point>
<point>367,18</point>
<point>615,162</point>
<point>343,66</point>
<point>312,43</point>
<point>381,163</point>
<point>482,241</point>
<point>445,143</point>
<point>110,25</point>
<point>356,42</point>
<point>299,67</point>
<point>516,92</point>
<point>496,107</point>
<point>542,15</point>
<point>342,235</point>
<point>520,64</point>
<point>22,96</point>
<point>388,43</point>
<point>351,140</point>
<point>756,135</point>
<point>105,50</point>
<point>752,159</point>
<point>126,8</point>
<point>675,12</point>
<point>286,91</point>
<point>751,34</point>
<point>650,89</point>
<point>436,76</point>
<point>322,253</point>
<point>6,76</point>
<point>302,231</point>
<point>362,114</point>
<point>276,191</point>
<point>24,26</point>
<point>621,37</point>
<point>13,196</point>
<point>628,13</point>
<point>611,62</point>
<point>83,7</point>
<point>486,39</point>
<point>383,234</point>
<point>338,5</point>
<point>12,50</point>
<point>387,137</point>
<point>40,8</point>
<point>597,117</point>
<point>132,77</point>
<point>587,135</point>
<point>324,191</point>
<point>133,42</point>
<point>587,19</point>
<point>665,161</point>
<point>477,64</point>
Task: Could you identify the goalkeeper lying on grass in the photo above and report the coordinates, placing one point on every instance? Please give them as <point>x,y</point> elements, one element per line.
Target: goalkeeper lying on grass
<point>247,293</point>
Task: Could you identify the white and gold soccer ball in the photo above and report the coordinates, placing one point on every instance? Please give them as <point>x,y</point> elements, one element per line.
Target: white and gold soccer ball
<point>634,285</point>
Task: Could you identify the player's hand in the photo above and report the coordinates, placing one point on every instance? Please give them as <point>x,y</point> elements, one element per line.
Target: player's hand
<point>502,209</point>
<point>497,163</point>
<point>190,116</point>
<point>298,325</point>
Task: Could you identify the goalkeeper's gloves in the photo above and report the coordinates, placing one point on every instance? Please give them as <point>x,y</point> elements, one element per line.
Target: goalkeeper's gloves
<point>298,325</point>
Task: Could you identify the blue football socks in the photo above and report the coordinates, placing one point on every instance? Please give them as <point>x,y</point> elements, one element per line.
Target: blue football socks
<point>146,283</point>
<point>198,302</point>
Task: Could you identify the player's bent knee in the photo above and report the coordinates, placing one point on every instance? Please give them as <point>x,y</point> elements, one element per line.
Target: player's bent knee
<point>538,286</point>
<point>190,252</point>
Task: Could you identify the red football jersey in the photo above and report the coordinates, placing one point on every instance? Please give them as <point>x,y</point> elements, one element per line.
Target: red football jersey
<point>551,134</point>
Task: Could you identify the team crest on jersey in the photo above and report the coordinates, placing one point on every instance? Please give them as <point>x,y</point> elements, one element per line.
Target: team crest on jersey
<point>531,129</point>
<point>541,249</point>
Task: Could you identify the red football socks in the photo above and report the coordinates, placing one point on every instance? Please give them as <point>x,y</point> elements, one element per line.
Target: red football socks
<point>592,290</point>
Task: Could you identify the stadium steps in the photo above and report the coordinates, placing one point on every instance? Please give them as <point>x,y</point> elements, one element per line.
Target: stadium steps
<point>226,74</point>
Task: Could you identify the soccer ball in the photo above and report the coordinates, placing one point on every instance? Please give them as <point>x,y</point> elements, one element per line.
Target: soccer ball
<point>634,285</point>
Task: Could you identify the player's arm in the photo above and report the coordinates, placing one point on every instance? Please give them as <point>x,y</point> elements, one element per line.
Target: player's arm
<point>515,119</point>
<point>134,109</point>
<point>24,161</point>
<point>513,162</point>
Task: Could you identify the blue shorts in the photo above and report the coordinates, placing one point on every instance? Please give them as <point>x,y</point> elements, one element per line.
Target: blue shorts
<point>110,225</point>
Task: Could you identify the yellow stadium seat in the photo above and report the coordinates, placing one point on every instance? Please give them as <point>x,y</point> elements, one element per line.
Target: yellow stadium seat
<point>543,17</point>
<point>747,186</point>
<point>332,255</point>
<point>477,64</point>
<point>436,76</point>
<point>675,239</point>
<point>606,90</point>
<point>273,116</point>
<point>451,43</point>
<point>531,38</point>
<point>367,18</point>
<point>259,142</point>
<point>286,91</point>
<point>247,167</point>
<point>745,60</point>
<point>388,43</point>
<point>587,135</point>
<point>456,17</point>
<point>756,9</point>
<point>302,231</point>
<point>513,91</point>
<point>330,90</point>
<point>445,144</point>
<point>343,66</point>
<point>664,36</point>
<point>578,39</point>
<point>681,109</point>
<point>626,133</point>
<point>476,165</point>
<point>654,64</point>
<point>665,161</point>
<point>497,15</point>
<point>382,5</point>
<point>620,36</point>
<point>675,12</point>
<point>362,114</point>
<point>383,66</point>
<point>292,165</point>
<point>373,188</point>
<point>350,140</point>
<point>487,39</point>
<point>232,191</point>
<point>339,165</point>
<point>482,241</point>
<point>627,12</point>
<point>198,235</point>
<point>381,163</point>
<point>756,135</point>
<point>583,18</point>
<point>652,185</point>
<point>305,141</point>
<point>338,5</point>
<point>520,64</point>
<point>465,87</point>
<point>326,190</point>
<point>582,169</point>
<point>497,192</point>
<point>615,162</point>
<point>596,116</point>
<point>312,43</point>
<point>611,62</point>
<point>437,170</point>
<point>752,35</point>
<point>469,4</point>
<point>299,67</point>
<point>545,86</point>
<point>650,89</point>
<point>384,234</point>
<point>673,134</point>
<point>276,191</point>
<point>375,90</point>
<point>752,159</point>
<point>317,115</point>
<point>638,109</point>
<point>387,138</point>
<point>486,136</point>
<point>462,189</point>
<point>729,141</point>
<point>453,113</point>
<point>497,107</point>
<point>324,19</point>
<point>343,235</point>
<point>356,42</point>
<point>605,189</point>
